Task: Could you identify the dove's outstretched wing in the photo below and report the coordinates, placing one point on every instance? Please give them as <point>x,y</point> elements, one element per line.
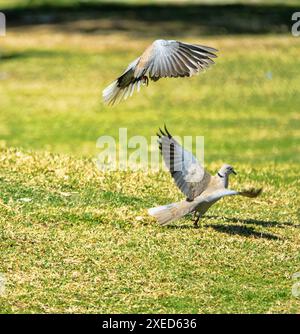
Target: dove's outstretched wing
<point>218,194</point>
<point>163,58</point>
<point>175,59</point>
<point>189,175</point>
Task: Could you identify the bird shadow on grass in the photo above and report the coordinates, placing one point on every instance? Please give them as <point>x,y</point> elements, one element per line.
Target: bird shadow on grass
<point>245,231</point>
<point>264,223</point>
<point>241,230</point>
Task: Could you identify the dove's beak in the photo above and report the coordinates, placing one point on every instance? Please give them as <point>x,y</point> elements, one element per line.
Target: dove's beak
<point>234,172</point>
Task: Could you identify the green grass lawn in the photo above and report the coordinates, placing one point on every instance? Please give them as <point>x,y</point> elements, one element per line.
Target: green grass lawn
<point>74,239</point>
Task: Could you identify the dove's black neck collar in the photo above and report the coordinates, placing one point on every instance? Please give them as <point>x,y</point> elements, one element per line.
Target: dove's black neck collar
<point>221,176</point>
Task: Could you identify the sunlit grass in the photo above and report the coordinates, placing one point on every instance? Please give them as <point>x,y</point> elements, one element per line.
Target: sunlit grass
<point>77,240</point>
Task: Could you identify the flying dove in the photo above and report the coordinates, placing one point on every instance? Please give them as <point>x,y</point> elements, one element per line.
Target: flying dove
<point>163,58</point>
<point>201,189</point>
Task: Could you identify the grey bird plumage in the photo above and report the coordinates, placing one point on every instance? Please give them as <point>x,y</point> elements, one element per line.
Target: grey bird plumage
<point>163,58</point>
<point>201,188</point>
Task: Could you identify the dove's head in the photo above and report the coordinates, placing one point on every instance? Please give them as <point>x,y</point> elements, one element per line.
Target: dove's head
<point>226,170</point>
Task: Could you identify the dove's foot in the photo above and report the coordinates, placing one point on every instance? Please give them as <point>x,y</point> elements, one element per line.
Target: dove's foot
<point>145,80</point>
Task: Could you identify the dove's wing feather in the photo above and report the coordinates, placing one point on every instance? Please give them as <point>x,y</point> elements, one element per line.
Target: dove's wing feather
<point>126,77</point>
<point>207,199</point>
<point>169,58</point>
<point>218,194</point>
<point>189,175</point>
<point>214,196</point>
<point>252,193</point>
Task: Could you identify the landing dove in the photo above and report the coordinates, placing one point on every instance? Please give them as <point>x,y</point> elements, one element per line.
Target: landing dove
<point>201,189</point>
<point>163,58</point>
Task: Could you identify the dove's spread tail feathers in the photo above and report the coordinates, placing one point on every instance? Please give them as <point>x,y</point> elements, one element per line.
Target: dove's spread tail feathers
<point>124,86</point>
<point>111,92</point>
<point>168,213</point>
<point>114,93</point>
